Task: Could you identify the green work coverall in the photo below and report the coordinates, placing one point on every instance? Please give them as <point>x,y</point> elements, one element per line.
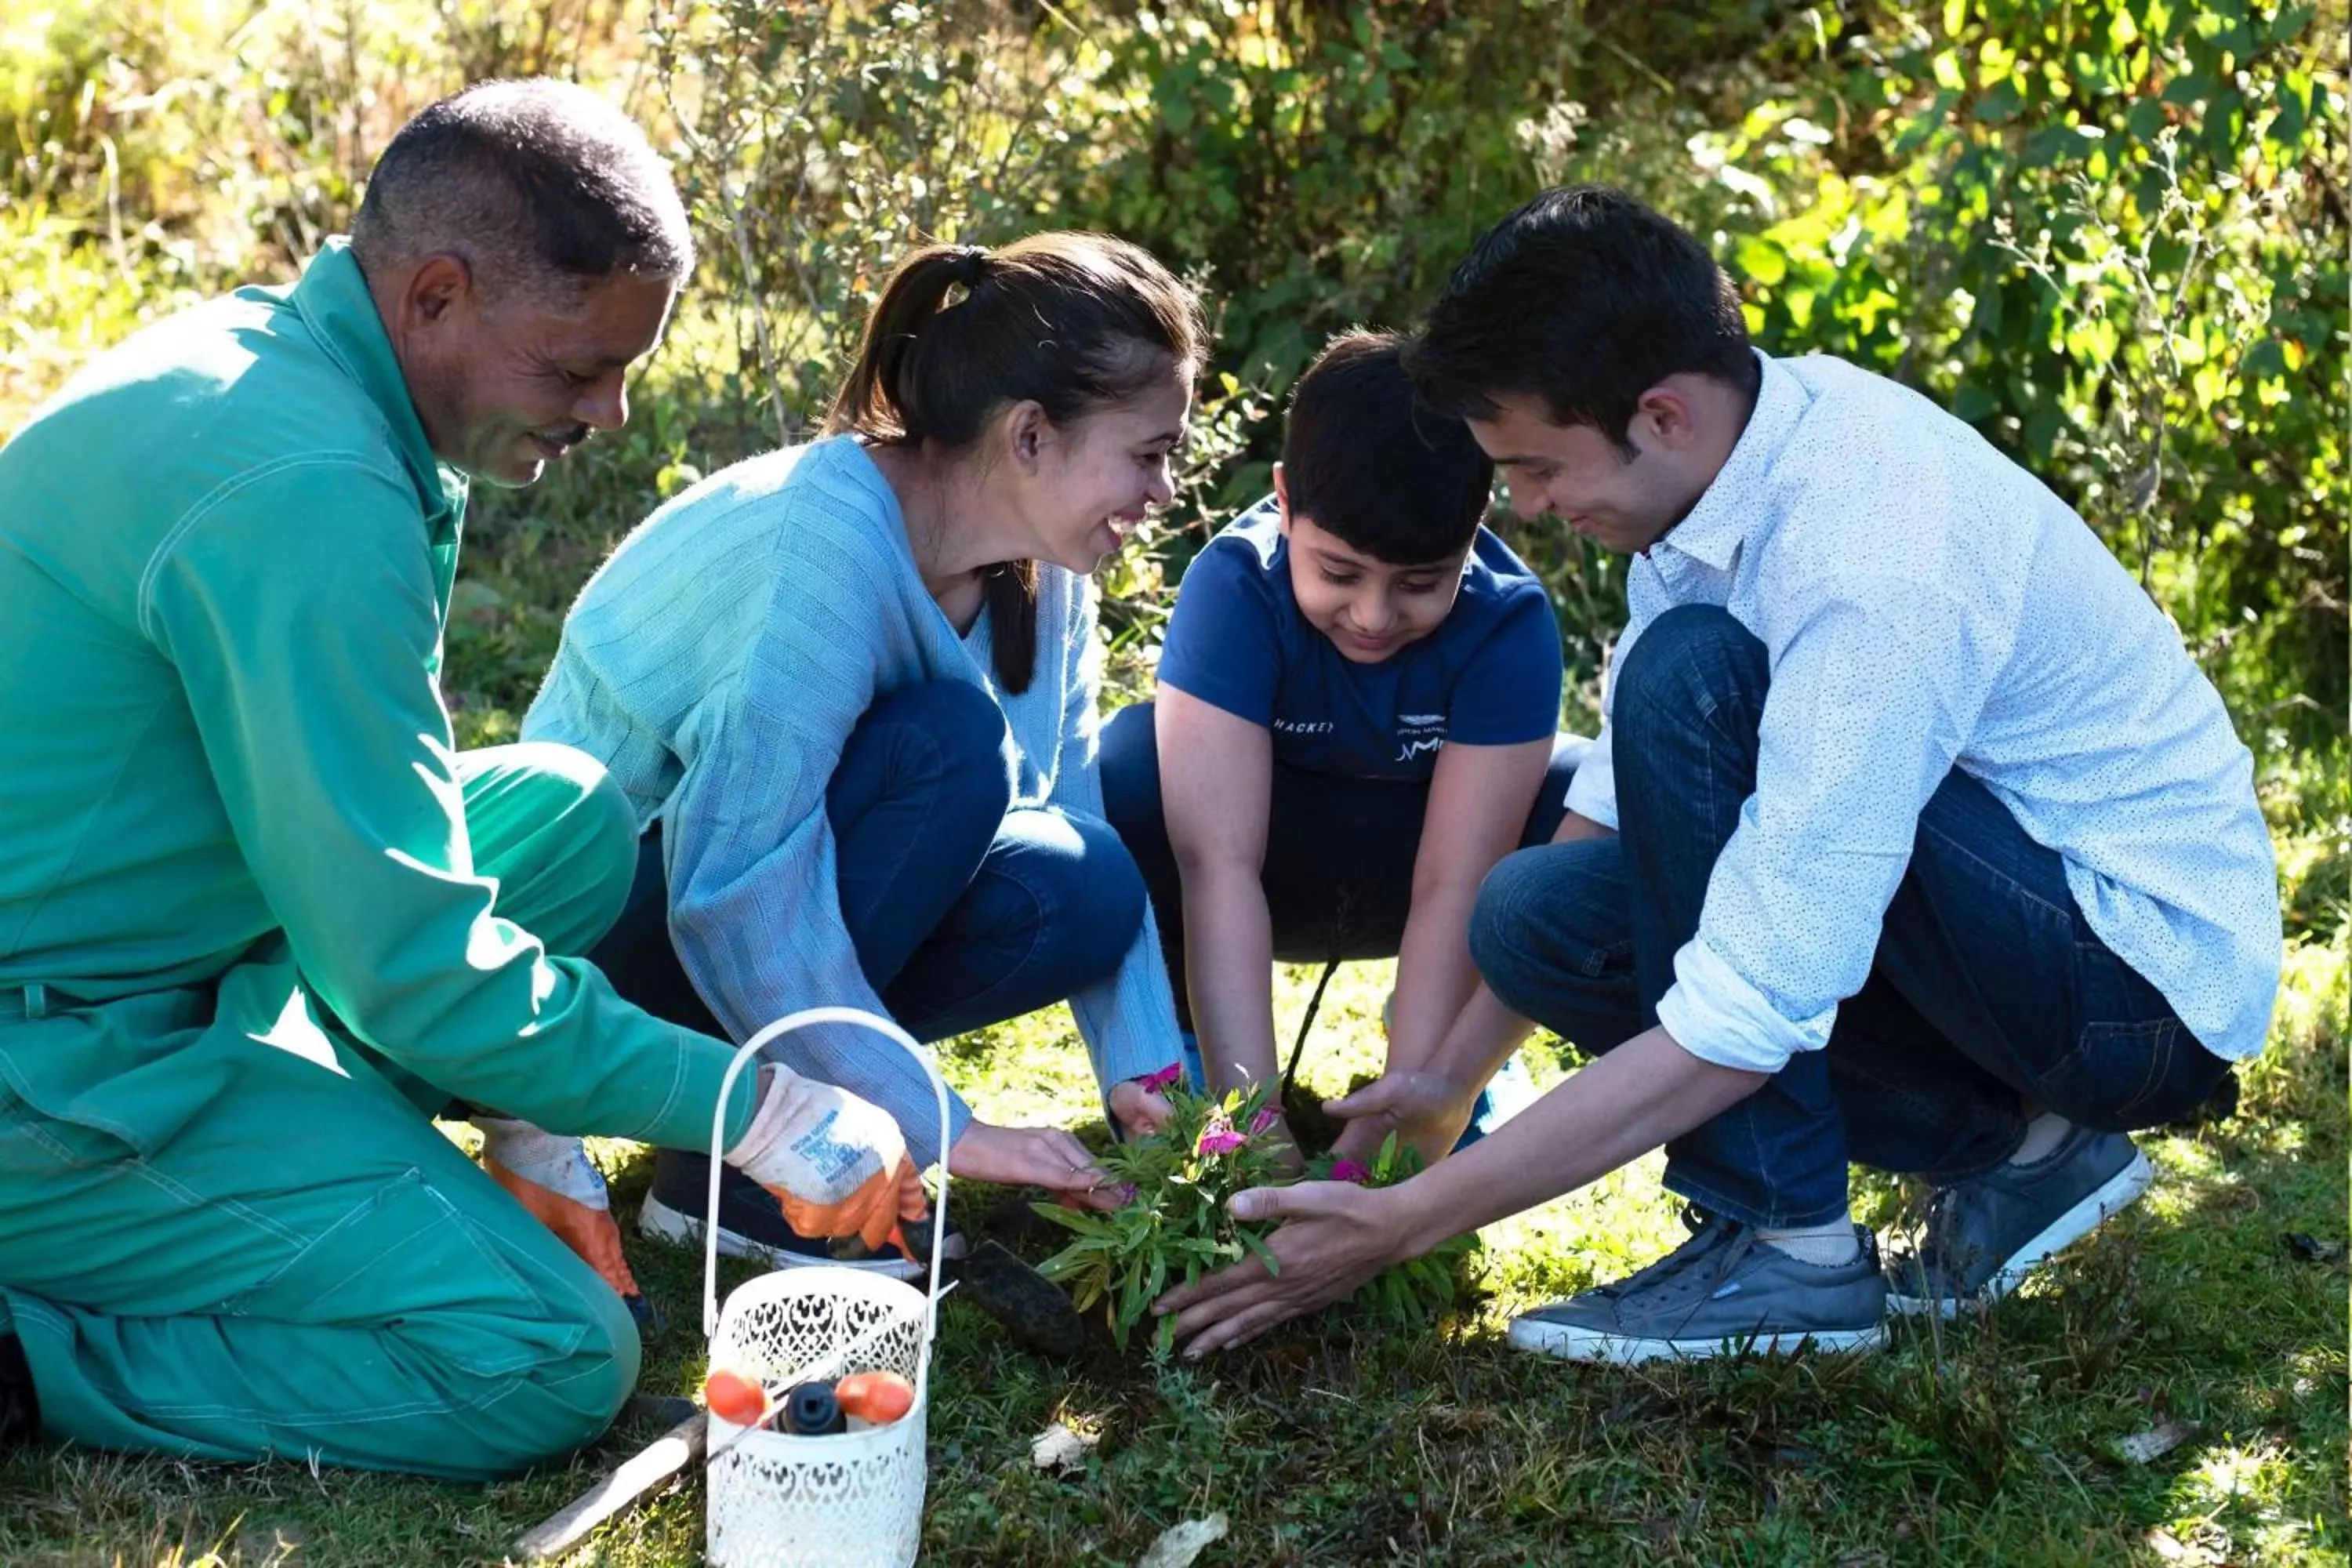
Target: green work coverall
<point>258,918</point>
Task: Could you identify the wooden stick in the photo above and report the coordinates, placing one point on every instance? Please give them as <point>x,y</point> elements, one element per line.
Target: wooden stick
<point>645,1472</point>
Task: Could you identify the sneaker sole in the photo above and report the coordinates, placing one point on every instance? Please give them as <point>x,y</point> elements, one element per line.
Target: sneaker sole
<point>662,1223</point>
<point>1571,1343</point>
<point>2111,1197</point>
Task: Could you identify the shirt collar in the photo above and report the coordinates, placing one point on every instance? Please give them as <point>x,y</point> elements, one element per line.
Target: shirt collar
<point>1732,508</point>
<point>332,300</point>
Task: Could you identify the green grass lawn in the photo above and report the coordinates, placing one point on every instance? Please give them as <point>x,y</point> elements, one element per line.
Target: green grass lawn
<point>1990,1441</point>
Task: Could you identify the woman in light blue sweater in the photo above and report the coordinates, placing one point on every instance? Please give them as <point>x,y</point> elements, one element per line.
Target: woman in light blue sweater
<point>850,687</point>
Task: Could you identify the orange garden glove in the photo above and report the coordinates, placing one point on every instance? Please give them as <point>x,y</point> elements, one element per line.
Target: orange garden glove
<point>551,1176</point>
<point>837,1163</point>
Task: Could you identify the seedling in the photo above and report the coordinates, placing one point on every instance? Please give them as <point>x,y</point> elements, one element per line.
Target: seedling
<point>1175,1228</point>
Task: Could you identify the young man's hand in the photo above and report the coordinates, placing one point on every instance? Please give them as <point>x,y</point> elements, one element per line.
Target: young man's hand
<point>1045,1157</point>
<point>1425,1110</point>
<point>1334,1236</point>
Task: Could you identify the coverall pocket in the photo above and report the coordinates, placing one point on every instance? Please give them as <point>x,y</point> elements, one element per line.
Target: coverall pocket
<point>412,1262</point>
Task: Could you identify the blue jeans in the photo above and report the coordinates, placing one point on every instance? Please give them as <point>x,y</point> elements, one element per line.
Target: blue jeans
<point>963,912</point>
<point>1988,988</point>
<point>1339,851</point>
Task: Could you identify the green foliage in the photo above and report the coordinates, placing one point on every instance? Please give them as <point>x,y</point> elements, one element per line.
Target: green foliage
<point>1174,1228</point>
<point>1413,1293</point>
<point>2110,234</point>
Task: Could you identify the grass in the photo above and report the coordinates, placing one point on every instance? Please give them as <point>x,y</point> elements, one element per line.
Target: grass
<point>1986,1441</point>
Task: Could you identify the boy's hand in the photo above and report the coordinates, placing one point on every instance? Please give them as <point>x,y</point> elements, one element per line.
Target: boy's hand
<point>1425,1110</point>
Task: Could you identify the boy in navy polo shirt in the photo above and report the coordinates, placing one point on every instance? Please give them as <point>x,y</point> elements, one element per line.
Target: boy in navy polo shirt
<point>1357,716</point>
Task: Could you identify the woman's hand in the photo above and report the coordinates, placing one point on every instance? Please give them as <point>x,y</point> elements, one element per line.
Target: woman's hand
<point>1045,1157</point>
<point>1138,1108</point>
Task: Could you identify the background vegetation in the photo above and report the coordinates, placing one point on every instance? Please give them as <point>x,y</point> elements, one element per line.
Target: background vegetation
<point>2111,234</point>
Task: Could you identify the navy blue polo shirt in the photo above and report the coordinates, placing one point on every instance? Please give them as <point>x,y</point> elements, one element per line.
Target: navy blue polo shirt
<point>1488,676</point>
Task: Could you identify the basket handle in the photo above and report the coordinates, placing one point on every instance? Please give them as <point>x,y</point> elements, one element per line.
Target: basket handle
<point>743,1054</point>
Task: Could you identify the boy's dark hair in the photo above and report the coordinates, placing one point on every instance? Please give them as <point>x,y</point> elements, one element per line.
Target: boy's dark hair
<point>1070,320</point>
<point>1366,461</point>
<point>543,187</point>
<point>1585,298</point>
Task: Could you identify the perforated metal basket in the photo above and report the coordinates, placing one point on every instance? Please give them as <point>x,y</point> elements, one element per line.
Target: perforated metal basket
<point>854,1499</point>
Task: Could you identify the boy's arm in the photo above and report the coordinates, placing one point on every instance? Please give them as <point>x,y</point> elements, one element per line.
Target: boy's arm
<point>1216,780</point>
<point>1427,1107</point>
<point>1478,802</point>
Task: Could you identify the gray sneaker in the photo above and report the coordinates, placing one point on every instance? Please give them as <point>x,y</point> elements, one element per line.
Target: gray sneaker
<point>1721,1291</point>
<point>1983,1235</point>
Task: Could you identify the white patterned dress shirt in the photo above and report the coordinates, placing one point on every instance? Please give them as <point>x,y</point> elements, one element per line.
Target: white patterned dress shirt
<point>1926,605</point>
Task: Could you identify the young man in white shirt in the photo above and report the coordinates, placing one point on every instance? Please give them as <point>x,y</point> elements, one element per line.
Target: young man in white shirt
<point>1914,838</point>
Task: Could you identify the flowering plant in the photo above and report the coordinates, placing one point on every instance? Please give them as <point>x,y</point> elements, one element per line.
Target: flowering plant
<point>1176,1228</point>
<point>1419,1288</point>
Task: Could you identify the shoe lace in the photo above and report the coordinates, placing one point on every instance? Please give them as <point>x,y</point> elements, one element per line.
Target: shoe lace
<point>1714,1249</point>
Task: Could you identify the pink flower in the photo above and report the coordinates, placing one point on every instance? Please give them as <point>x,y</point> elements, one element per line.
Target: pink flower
<point>1264,1119</point>
<point>1220,1140</point>
<point>1346,1170</point>
<point>1165,1077</point>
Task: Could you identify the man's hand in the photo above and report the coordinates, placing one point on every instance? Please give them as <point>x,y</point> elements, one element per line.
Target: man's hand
<point>1334,1236</point>
<point>551,1177</point>
<point>837,1163</point>
<point>1045,1157</point>
<point>1425,1110</point>
<point>1138,1108</point>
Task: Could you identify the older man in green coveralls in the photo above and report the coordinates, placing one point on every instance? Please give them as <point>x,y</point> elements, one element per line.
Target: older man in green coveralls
<point>259,920</point>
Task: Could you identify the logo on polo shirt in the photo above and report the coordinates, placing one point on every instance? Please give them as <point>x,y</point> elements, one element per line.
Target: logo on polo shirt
<point>1418,733</point>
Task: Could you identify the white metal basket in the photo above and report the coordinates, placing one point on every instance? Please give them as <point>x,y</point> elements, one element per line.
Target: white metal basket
<point>854,1499</point>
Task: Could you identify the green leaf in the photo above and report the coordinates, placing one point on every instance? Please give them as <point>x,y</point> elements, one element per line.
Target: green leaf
<point>1261,1251</point>
<point>1972,404</point>
<point>1999,104</point>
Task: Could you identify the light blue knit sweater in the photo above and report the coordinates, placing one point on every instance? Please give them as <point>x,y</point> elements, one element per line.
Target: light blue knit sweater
<point>717,663</point>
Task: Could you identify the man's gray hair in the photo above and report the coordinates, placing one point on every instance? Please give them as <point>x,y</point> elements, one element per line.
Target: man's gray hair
<point>543,187</point>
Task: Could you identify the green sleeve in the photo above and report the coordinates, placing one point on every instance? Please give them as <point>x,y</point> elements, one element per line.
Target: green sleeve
<point>300,613</point>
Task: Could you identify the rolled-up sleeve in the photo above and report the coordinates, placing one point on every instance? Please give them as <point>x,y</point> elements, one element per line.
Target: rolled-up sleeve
<point>1877,681</point>
<point>1592,788</point>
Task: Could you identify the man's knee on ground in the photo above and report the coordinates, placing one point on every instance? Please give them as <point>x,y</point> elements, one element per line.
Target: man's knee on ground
<point>566,1403</point>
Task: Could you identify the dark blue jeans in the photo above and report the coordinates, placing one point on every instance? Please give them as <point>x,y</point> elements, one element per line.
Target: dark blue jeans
<point>1339,851</point>
<point>963,912</point>
<point>1988,988</point>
